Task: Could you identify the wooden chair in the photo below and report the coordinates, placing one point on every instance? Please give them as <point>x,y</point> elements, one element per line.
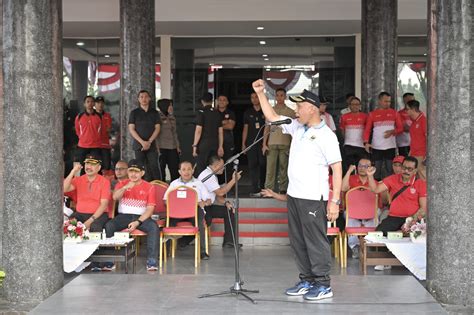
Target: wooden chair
<point>182,203</point>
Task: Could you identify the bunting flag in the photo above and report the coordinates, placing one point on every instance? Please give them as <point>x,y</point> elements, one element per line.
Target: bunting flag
<point>285,79</point>
<point>109,77</point>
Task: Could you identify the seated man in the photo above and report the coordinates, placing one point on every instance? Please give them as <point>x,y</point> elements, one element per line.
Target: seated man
<point>186,179</point>
<point>137,200</point>
<point>397,164</point>
<point>92,194</point>
<point>219,208</point>
<point>407,192</point>
<point>121,172</point>
<point>348,182</point>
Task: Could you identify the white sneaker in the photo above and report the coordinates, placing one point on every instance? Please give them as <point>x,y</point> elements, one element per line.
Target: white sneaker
<point>382,267</point>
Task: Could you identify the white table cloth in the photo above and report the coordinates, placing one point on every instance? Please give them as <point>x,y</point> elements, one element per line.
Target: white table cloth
<point>411,255</point>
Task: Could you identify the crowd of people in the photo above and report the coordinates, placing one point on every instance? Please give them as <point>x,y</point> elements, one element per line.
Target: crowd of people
<point>299,162</point>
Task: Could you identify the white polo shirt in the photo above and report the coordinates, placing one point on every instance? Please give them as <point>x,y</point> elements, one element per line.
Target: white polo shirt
<point>203,194</point>
<point>212,184</point>
<point>312,150</point>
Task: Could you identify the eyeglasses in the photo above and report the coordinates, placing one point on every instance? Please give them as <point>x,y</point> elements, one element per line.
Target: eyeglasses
<point>121,168</point>
<point>364,165</point>
<point>410,169</point>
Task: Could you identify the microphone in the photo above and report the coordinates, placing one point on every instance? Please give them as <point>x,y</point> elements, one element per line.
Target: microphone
<point>279,122</point>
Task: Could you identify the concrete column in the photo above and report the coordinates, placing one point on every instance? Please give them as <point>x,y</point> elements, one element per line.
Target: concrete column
<point>33,139</point>
<point>80,80</point>
<point>137,49</point>
<point>165,62</point>
<point>379,50</point>
<point>2,181</point>
<point>450,152</point>
<point>358,65</point>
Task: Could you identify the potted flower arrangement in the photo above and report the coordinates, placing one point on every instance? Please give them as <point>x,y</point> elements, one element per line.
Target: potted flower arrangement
<point>74,231</point>
<point>415,228</point>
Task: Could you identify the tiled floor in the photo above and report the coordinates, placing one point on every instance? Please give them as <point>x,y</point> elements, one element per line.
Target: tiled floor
<point>268,268</point>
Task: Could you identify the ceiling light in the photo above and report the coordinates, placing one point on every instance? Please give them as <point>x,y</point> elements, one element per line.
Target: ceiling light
<point>269,79</point>
<point>264,55</point>
<point>262,42</point>
<point>266,59</point>
<point>425,54</point>
<point>107,56</point>
<point>260,28</point>
<point>80,44</point>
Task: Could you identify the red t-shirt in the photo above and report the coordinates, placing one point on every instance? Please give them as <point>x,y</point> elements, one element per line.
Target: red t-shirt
<point>353,125</point>
<point>354,181</point>
<point>408,202</point>
<point>88,130</point>
<point>89,194</point>
<point>380,121</point>
<point>418,136</point>
<point>104,130</point>
<point>136,199</point>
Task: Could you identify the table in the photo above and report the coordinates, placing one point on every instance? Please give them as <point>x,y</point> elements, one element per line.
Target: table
<point>116,250</point>
<point>77,256</point>
<point>409,254</point>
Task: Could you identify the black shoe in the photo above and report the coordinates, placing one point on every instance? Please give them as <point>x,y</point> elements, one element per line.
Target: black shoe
<point>204,256</point>
<point>230,245</point>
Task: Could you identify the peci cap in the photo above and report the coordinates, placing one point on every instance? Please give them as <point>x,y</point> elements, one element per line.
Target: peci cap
<point>306,96</point>
<point>92,159</point>
<point>207,97</point>
<point>135,165</point>
<point>398,159</point>
<point>99,99</point>
<point>323,100</point>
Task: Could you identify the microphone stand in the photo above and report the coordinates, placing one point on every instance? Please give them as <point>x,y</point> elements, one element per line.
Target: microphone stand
<point>236,289</point>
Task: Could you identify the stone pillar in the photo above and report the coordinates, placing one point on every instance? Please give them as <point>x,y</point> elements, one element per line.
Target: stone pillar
<point>33,139</point>
<point>450,152</point>
<point>80,80</point>
<point>379,50</point>
<point>137,54</point>
<point>165,62</point>
<point>2,181</point>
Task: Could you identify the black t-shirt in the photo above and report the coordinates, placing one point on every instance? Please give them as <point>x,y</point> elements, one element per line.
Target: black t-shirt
<point>255,121</point>
<point>210,120</point>
<point>144,124</point>
<point>228,134</point>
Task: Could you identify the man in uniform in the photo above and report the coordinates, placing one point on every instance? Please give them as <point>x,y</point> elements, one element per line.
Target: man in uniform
<point>209,133</point>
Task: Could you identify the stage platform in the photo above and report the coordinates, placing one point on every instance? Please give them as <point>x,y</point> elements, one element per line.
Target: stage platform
<point>270,269</point>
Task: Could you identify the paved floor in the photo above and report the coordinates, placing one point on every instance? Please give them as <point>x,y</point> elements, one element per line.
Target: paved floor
<point>268,268</point>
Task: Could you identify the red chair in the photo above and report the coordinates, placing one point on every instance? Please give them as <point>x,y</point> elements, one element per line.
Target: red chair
<point>333,230</point>
<point>182,204</point>
<point>361,204</point>
<point>160,208</point>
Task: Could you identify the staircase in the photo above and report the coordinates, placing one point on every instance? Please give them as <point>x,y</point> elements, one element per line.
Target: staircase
<point>261,222</point>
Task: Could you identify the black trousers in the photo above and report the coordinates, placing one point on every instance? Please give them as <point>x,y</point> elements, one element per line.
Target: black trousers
<point>307,223</point>
<point>205,150</point>
<point>218,211</point>
<point>390,224</point>
<point>96,226</point>
<point>106,158</point>
<point>257,168</point>
<point>405,151</point>
<point>150,159</point>
<point>383,162</point>
<point>170,158</point>
<point>81,153</point>
<point>352,155</point>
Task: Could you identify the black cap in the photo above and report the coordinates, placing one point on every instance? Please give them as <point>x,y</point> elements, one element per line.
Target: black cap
<point>306,96</point>
<point>207,97</point>
<point>136,165</point>
<point>322,99</point>
<point>92,159</point>
<point>100,99</point>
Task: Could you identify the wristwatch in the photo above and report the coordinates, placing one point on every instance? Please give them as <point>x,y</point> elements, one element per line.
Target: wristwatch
<point>336,201</point>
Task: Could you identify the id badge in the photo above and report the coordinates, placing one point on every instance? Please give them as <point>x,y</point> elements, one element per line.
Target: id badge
<point>257,125</point>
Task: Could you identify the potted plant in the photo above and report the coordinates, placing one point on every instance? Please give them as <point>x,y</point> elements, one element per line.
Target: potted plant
<point>74,231</point>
